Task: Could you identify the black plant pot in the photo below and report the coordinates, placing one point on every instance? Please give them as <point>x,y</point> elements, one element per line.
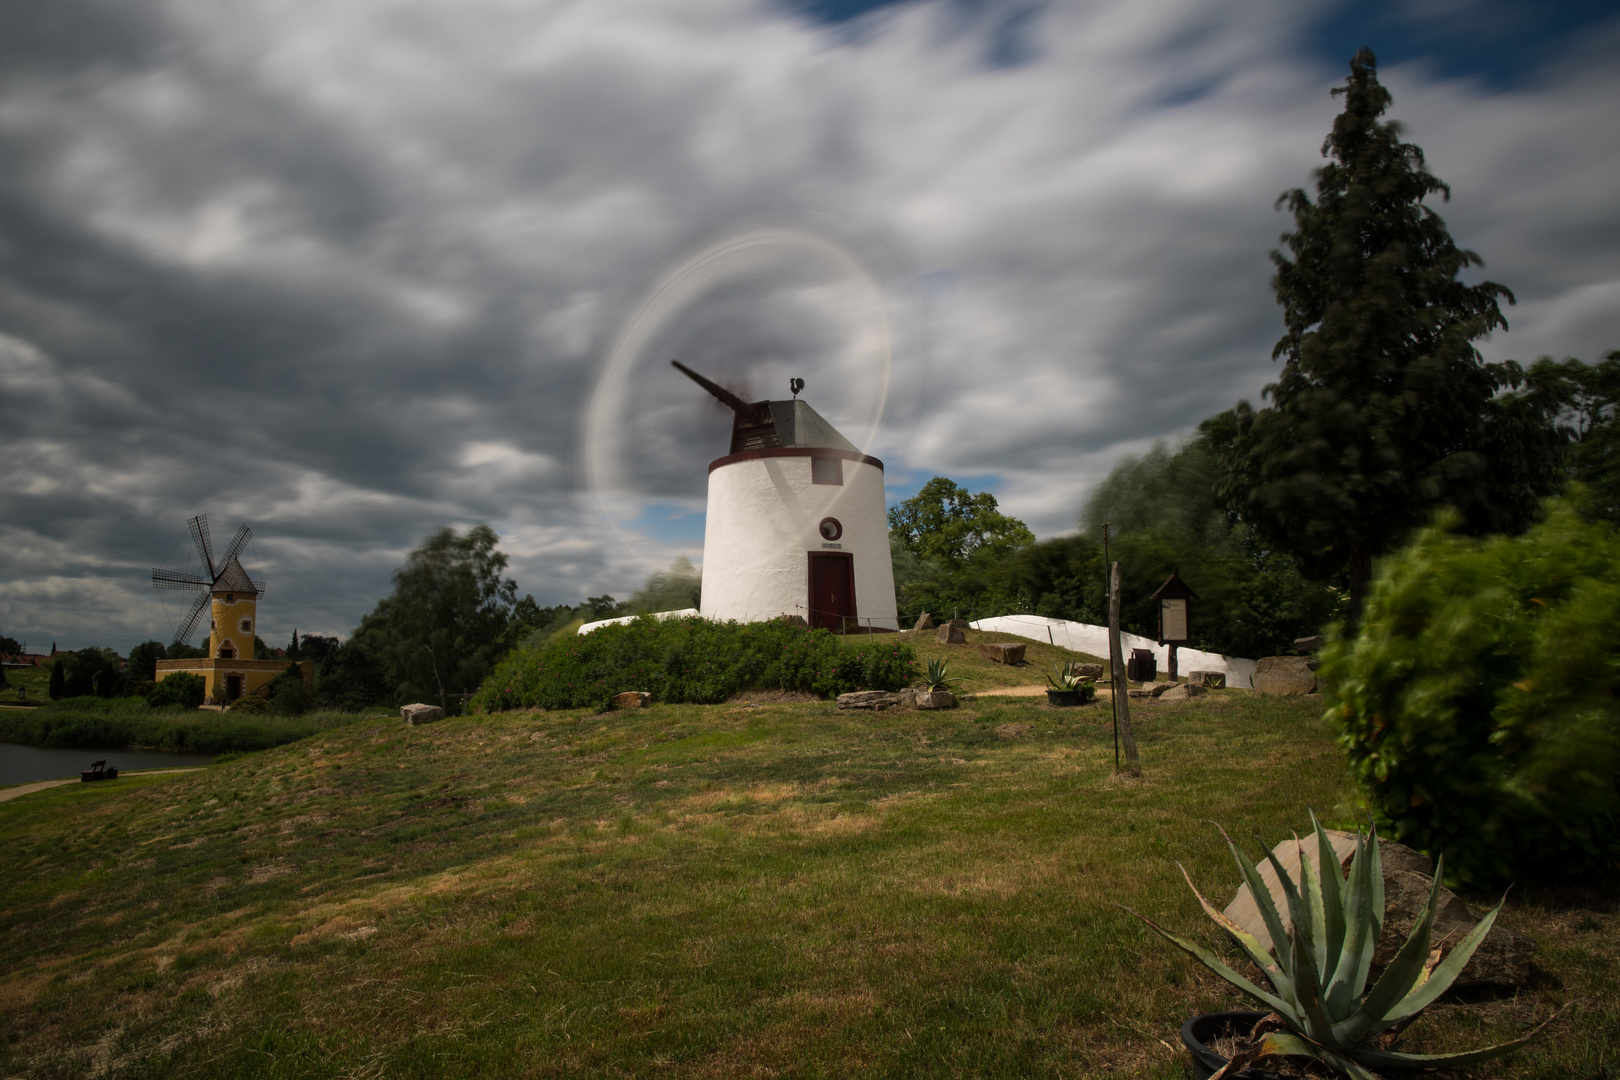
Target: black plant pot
<point>1064,698</point>
<point>1206,1062</point>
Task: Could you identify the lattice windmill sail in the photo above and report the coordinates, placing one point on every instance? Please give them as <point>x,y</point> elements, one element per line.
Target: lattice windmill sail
<point>221,575</point>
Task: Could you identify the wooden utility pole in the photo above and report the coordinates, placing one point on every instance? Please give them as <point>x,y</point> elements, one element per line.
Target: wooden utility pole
<point>1122,693</point>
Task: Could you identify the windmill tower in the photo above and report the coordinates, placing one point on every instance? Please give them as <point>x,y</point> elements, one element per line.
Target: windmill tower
<point>796,521</point>
<point>231,599</point>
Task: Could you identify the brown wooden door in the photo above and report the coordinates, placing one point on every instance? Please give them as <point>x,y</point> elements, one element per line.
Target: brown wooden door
<point>832,589</point>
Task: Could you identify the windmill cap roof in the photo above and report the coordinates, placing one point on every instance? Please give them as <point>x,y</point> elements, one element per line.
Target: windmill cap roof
<point>797,424</point>
<point>234,579</point>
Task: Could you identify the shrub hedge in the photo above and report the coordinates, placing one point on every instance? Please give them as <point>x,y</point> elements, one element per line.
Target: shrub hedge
<point>1478,703</point>
<point>692,660</point>
<point>103,722</point>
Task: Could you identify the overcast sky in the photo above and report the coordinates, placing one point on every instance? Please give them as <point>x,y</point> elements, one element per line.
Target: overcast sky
<point>354,272</point>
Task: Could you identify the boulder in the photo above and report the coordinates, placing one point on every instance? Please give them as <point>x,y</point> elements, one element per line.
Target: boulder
<point>867,699</point>
<point>1089,671</point>
<point>951,633</point>
<point>633,699</point>
<point>796,620</point>
<point>1283,676</point>
<point>913,698</point>
<point>1144,692</point>
<point>1503,959</point>
<point>1181,692</point>
<point>925,621</point>
<point>420,714</point>
<point>1003,652</point>
<point>1308,644</point>
<point>1209,680</point>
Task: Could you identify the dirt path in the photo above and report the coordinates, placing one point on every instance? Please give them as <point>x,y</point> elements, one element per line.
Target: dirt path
<point>7,794</point>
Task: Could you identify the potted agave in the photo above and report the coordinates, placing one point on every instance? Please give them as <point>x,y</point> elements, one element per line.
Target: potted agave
<point>1066,687</point>
<point>1319,1006</point>
<point>933,688</point>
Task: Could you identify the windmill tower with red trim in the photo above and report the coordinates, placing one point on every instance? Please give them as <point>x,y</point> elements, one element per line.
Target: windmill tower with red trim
<point>796,521</point>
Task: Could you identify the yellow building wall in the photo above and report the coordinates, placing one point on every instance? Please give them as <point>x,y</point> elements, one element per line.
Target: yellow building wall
<point>256,675</point>
<point>234,620</point>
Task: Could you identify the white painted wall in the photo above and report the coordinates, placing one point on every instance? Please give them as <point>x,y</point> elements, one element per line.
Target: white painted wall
<point>681,614</point>
<point>1083,637</point>
<point>763,521</point>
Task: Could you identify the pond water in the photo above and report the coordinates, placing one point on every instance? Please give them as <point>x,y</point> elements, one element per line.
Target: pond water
<point>26,764</point>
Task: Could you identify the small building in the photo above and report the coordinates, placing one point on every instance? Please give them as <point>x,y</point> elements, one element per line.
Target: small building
<point>797,524</point>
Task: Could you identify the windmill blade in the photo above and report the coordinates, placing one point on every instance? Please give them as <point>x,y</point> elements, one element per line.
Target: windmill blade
<point>175,579</point>
<point>183,635</point>
<point>238,542</point>
<point>199,534</point>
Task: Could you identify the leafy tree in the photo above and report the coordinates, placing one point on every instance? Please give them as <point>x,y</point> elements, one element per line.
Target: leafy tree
<point>178,690</point>
<point>1382,409</point>
<point>316,647</point>
<point>1165,517</point>
<point>289,696</point>
<point>679,587</point>
<point>91,671</point>
<point>177,651</point>
<point>143,660</point>
<point>947,523</point>
<point>9,646</point>
<point>351,678</point>
<point>58,684</point>
<point>261,651</point>
<point>1591,394</point>
<point>441,629</point>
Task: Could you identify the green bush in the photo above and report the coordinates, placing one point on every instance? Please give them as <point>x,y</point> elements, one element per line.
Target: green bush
<point>692,660</point>
<point>289,695</point>
<point>179,690</point>
<point>251,705</point>
<point>1478,702</point>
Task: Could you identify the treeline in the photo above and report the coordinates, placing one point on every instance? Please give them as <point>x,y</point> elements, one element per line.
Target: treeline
<point>452,616</point>
<point>1163,516</point>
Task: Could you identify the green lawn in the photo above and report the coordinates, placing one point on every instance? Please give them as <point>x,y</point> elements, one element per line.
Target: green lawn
<point>35,680</point>
<point>777,890</point>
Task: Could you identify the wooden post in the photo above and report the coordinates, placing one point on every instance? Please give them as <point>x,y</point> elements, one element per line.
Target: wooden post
<point>1172,661</point>
<point>1122,693</point>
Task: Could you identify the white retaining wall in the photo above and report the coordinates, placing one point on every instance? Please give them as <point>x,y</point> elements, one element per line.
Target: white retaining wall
<point>681,614</point>
<point>1083,637</point>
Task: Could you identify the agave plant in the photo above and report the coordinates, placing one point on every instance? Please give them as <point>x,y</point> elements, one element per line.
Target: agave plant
<point>935,678</point>
<point>1320,1006</point>
<point>1066,676</point>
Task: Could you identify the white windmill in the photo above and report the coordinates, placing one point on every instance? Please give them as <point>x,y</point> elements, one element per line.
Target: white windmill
<point>796,521</point>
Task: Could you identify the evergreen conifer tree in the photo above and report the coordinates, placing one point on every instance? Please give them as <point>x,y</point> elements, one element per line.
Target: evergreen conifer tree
<point>1383,408</point>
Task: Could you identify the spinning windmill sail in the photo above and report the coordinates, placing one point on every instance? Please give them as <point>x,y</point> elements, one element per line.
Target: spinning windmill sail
<point>224,574</point>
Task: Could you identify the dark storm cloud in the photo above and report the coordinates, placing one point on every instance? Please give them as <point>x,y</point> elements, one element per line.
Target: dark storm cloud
<point>348,272</point>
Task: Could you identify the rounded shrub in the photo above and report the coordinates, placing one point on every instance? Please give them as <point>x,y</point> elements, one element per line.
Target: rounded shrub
<point>691,660</point>
<point>1477,704</point>
<point>180,690</point>
<point>251,705</point>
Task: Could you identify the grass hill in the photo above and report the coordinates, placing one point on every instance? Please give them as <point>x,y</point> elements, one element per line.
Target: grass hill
<point>758,888</point>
